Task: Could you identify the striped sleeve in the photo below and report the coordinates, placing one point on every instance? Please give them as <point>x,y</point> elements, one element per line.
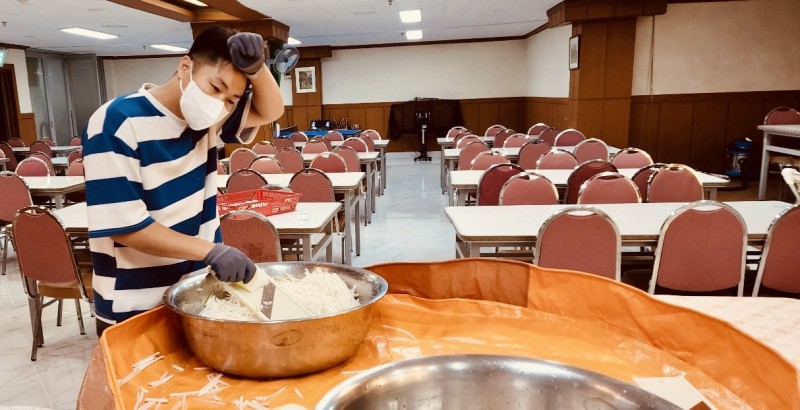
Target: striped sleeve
<point>114,192</point>
<point>233,130</point>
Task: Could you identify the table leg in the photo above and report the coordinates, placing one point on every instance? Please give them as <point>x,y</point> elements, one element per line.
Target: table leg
<point>307,247</point>
<point>712,194</point>
<point>372,190</point>
<point>462,197</point>
<point>329,248</point>
<point>762,179</point>
<point>348,221</point>
<point>358,227</point>
<point>59,201</point>
<point>383,169</point>
<point>473,250</point>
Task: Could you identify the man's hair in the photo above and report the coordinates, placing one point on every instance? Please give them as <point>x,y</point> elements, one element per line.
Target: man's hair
<point>211,46</point>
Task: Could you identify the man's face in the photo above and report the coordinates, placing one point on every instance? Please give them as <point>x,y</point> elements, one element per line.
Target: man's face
<point>220,80</point>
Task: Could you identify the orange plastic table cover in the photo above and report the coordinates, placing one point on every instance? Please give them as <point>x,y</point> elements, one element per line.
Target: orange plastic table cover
<point>492,307</point>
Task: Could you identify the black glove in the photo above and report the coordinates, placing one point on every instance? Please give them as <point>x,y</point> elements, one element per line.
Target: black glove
<point>247,52</point>
<point>230,264</point>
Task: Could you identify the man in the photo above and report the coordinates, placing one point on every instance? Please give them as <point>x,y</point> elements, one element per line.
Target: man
<point>151,168</point>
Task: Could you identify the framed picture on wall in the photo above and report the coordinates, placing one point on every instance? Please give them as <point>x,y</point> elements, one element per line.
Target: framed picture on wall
<point>305,79</point>
<point>574,52</point>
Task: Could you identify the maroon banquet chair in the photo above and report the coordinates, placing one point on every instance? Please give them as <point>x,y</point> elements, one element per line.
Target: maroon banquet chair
<point>356,143</point>
<point>75,141</point>
<point>590,149</point>
<point>537,128</point>
<point>49,141</point>
<point>569,137</point>
<point>282,143</point>
<point>350,157</point>
<point>609,188</point>
<point>244,180</point>
<point>240,158</point>
<point>41,146</point>
<point>631,158</point>
<point>314,147</point>
<point>16,196</point>
<point>329,162</point>
<point>530,153</point>
<point>778,269</point>
<point>491,183</point>
<point>501,137</point>
<point>334,135</point>
<point>494,130</point>
<point>33,167</point>
<point>75,169</point>
<point>581,174</point>
<point>462,140</point>
<point>516,140</point>
<point>372,134</point>
<point>454,131</point>
<point>674,183</point>
<point>549,136</point>
<point>528,188</point>
<point>264,164</point>
<point>16,142</point>
<point>557,159</point>
<point>325,140</point>
<point>642,176</point>
<point>291,160</point>
<point>580,238</point>
<point>469,152</point>
<point>72,156</point>
<point>251,233</point>
<point>486,159</point>
<point>298,136</point>
<point>9,153</point>
<point>701,248</point>
<point>369,142</point>
<point>264,148</point>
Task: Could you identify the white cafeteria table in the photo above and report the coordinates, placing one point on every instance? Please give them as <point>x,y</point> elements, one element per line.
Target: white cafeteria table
<point>638,224</point>
<point>793,131</point>
<point>465,182</point>
<point>450,156</point>
<point>307,220</point>
<point>380,146</point>
<point>445,143</point>
<point>346,183</point>
<point>60,150</point>
<point>54,186</point>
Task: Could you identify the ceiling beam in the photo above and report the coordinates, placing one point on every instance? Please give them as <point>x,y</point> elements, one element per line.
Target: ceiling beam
<point>213,15</point>
<point>159,8</point>
<point>236,9</point>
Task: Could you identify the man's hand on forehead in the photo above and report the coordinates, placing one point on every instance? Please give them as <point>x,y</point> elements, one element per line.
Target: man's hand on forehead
<point>247,52</point>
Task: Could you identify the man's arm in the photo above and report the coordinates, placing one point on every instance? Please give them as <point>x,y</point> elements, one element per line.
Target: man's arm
<point>158,240</point>
<point>267,103</point>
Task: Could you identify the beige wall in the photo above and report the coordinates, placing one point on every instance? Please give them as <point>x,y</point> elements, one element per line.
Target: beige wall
<point>466,70</point>
<point>725,46</point>
<point>17,57</point>
<point>547,63</point>
<point>124,76</point>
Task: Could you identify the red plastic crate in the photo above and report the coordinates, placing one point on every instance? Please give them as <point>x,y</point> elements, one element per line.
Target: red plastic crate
<point>263,201</point>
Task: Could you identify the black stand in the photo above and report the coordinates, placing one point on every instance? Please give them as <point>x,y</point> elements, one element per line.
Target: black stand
<point>423,149</point>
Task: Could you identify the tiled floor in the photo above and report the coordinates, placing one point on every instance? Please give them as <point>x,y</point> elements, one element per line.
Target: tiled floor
<point>409,226</point>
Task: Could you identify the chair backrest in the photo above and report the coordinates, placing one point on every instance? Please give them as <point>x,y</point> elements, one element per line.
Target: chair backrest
<point>515,141</point>
<point>674,183</point>
<point>459,135</point>
<point>778,268</point>
<point>251,233</point>
<point>329,162</point>
<point>463,140</point>
<point>33,167</point>
<point>281,143</point>
<point>314,147</point>
<point>75,141</point>
<point>581,174</point>
<point>298,136</point>
<point>42,156</point>
<point>494,130</point>
<point>557,159</point>
<point>528,188</point>
<point>72,156</point>
<point>530,153</point>
<point>569,137</point>
<point>16,142</point>
<point>701,248</point>
<point>492,181</point>
<point>49,141</point>
<point>264,148</point>
<point>15,195</point>
<point>350,157</point>
<point>291,160</point>
<point>580,238</point>
<point>75,168</point>
<point>41,146</point>
<point>549,136</point>
<point>326,141</point>
<point>631,158</point>
<point>221,168</point>
<point>537,128</point>
<point>44,250</point>
<point>266,165</point>
<point>609,188</point>
<point>313,184</point>
<point>372,134</point>
<point>244,180</point>
<point>454,131</point>
<point>642,176</point>
<point>469,152</point>
<point>590,149</point>
<point>501,137</point>
<point>241,158</point>
<point>486,159</point>
<point>369,142</point>
<point>9,153</point>
<point>782,116</point>
<point>334,135</point>
<point>356,143</point>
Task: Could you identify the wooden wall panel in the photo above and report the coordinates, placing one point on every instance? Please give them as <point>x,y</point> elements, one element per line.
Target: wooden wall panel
<point>695,128</point>
<point>613,131</point>
<point>27,127</point>
<point>555,112</point>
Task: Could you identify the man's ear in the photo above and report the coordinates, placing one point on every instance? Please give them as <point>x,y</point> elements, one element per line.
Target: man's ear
<point>184,65</point>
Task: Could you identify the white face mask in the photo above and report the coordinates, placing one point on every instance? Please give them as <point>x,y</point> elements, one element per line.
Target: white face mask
<point>199,109</point>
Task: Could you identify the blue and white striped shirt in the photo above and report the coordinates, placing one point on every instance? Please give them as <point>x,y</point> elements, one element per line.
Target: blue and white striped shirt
<point>143,165</point>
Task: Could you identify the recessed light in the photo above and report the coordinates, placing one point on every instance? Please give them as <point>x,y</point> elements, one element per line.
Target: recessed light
<point>89,33</point>
<point>196,3</point>
<point>410,16</point>
<point>167,47</point>
<point>293,41</point>
<point>414,34</point>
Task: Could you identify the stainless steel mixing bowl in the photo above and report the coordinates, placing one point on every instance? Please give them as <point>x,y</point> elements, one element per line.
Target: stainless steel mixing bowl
<point>277,348</point>
<point>461,382</point>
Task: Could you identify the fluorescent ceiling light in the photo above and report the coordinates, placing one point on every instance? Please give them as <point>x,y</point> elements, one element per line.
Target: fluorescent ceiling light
<point>196,3</point>
<point>293,41</point>
<point>167,47</point>
<point>414,34</point>
<point>89,33</point>
<point>410,16</point>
